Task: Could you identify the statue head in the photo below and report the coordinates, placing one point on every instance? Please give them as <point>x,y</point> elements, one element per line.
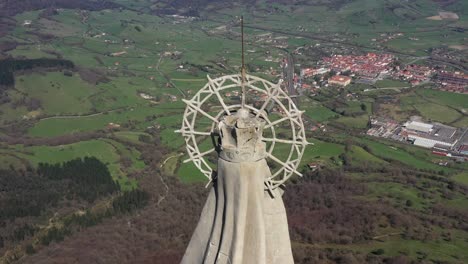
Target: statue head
<point>241,137</point>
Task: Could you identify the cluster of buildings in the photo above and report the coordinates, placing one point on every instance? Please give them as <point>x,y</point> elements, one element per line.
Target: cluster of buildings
<point>369,66</point>
<point>342,68</point>
<point>452,81</point>
<point>414,74</point>
<point>310,72</point>
<point>269,38</point>
<point>385,128</point>
<point>386,37</point>
<point>442,139</point>
<point>448,81</point>
<point>430,135</point>
<point>372,67</point>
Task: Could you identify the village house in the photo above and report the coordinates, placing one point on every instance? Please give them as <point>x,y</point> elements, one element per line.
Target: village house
<point>308,72</point>
<point>112,126</point>
<point>116,54</point>
<point>340,80</point>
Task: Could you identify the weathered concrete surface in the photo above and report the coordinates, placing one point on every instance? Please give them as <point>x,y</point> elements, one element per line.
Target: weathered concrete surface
<point>241,223</point>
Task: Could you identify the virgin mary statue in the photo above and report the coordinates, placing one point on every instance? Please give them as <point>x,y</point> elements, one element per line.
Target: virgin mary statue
<point>241,222</point>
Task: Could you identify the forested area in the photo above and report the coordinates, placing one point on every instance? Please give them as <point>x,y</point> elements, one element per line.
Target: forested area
<point>91,177</point>
<point>325,207</point>
<point>331,207</point>
<point>125,203</point>
<point>9,66</point>
<point>26,196</point>
<point>10,8</point>
<point>329,211</point>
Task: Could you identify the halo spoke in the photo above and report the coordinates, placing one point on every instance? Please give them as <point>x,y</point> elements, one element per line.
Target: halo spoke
<point>189,103</point>
<point>193,132</point>
<point>287,117</point>
<point>201,155</point>
<point>286,166</point>
<point>278,140</point>
<point>220,98</point>
<point>265,104</point>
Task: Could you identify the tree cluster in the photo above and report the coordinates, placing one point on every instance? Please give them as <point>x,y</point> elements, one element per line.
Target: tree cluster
<point>26,196</point>
<point>91,177</point>
<point>9,66</point>
<point>11,8</point>
<point>130,201</point>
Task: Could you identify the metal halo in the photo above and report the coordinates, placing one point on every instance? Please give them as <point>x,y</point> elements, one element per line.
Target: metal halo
<point>274,95</point>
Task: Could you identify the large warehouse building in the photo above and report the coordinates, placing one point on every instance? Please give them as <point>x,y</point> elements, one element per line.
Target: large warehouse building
<point>429,135</point>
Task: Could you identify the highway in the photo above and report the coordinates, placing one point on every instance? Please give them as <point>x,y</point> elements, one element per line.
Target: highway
<point>288,77</point>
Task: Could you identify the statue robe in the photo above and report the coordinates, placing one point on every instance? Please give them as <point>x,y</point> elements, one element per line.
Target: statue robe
<point>241,223</point>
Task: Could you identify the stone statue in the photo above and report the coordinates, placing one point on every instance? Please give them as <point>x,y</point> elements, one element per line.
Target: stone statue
<point>241,221</point>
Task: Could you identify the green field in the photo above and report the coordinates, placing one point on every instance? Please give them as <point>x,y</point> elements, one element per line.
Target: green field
<point>189,173</point>
<point>461,178</point>
<point>321,152</point>
<point>434,105</point>
<point>461,123</point>
<point>59,94</point>
<point>359,156</point>
<point>360,122</point>
<point>417,158</point>
<point>133,137</point>
<point>459,101</point>
<point>318,113</point>
<point>68,125</point>
<point>437,113</point>
<point>395,245</point>
<point>104,150</point>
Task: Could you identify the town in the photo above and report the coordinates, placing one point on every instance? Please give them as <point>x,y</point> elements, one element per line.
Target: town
<point>341,70</point>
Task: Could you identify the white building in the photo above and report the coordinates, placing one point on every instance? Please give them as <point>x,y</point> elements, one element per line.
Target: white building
<point>418,126</point>
<point>426,142</point>
<point>428,135</point>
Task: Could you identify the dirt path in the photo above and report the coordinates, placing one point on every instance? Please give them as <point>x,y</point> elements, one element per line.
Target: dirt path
<point>397,89</point>
<point>81,116</point>
<point>189,80</point>
<point>173,156</point>
<point>163,197</point>
<point>387,235</point>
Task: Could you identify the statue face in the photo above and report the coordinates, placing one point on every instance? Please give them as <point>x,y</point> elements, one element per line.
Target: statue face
<point>241,136</point>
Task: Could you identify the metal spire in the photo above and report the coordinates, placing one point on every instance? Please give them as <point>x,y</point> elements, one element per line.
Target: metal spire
<point>243,65</point>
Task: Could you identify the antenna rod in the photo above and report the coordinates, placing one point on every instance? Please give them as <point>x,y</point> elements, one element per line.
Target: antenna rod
<point>243,64</point>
